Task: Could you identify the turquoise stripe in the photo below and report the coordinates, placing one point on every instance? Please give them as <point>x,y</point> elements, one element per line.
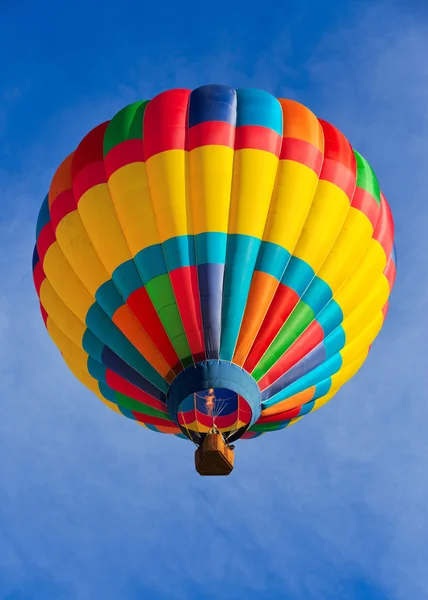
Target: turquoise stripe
<point>179,252</point>
<point>211,248</point>
<point>241,258</point>
<point>92,345</point>
<point>256,107</point>
<point>322,388</point>
<point>109,298</point>
<point>44,217</point>
<point>126,278</point>
<point>126,412</point>
<point>330,317</point>
<point>334,342</point>
<point>317,295</point>
<point>326,369</point>
<point>99,323</point>
<point>272,259</point>
<point>298,275</point>
<point>97,370</point>
<point>306,408</point>
<point>107,392</point>
<point>150,263</point>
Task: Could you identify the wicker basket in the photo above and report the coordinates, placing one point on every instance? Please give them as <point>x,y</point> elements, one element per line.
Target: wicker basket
<point>214,457</point>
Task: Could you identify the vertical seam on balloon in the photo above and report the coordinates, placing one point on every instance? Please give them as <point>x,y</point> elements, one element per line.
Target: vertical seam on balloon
<point>132,258</point>
<point>312,279</point>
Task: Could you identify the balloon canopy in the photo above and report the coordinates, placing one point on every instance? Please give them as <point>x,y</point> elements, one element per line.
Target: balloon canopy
<point>214,258</point>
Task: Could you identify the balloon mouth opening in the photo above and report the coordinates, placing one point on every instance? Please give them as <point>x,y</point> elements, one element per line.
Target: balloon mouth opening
<point>214,395</point>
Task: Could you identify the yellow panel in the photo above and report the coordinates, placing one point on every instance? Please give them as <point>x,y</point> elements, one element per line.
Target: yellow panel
<point>253,184</point>
<point>130,192</point>
<point>348,249</point>
<point>100,221</point>
<point>362,279</point>
<point>294,421</point>
<point>348,371</point>
<point>68,348</point>
<point>367,310</point>
<point>66,283</point>
<point>363,341</point>
<point>91,384</point>
<point>80,253</point>
<point>62,316</point>
<point>167,180</point>
<point>326,217</point>
<point>292,198</point>
<point>210,182</point>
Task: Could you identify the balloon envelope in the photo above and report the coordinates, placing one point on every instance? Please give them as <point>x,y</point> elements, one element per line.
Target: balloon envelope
<point>214,256</point>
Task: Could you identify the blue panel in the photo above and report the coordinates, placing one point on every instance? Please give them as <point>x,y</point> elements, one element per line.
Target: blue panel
<point>44,216</point>
<point>212,103</point>
<point>126,412</point>
<point>210,278</point>
<point>150,263</point>
<point>92,345</point>
<point>108,393</point>
<point>298,275</point>
<point>317,295</point>
<point>210,247</point>
<point>323,371</point>
<point>127,279</point>
<point>99,323</point>
<point>179,252</point>
<point>306,408</point>
<point>213,374</point>
<point>36,258</point>
<point>322,388</point>
<point>272,259</point>
<point>330,317</point>
<point>152,427</point>
<point>113,362</point>
<point>97,370</point>
<point>256,107</point>
<point>394,255</point>
<point>109,298</point>
<point>242,251</point>
<point>335,342</point>
<point>313,359</point>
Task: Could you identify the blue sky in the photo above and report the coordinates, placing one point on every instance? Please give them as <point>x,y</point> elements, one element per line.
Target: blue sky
<point>91,505</point>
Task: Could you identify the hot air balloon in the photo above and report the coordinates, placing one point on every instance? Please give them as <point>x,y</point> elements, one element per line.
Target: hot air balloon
<point>214,264</point>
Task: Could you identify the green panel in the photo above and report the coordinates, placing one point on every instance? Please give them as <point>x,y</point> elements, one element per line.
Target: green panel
<point>140,407</point>
<point>162,295</point>
<point>301,317</point>
<point>127,124</point>
<point>366,178</point>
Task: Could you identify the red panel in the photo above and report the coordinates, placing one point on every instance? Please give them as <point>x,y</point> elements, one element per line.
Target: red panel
<point>45,240</point>
<point>63,204</point>
<point>258,138</point>
<point>283,416</point>
<point>117,383</point>
<point>125,153</point>
<point>90,176</point>
<point>310,338</point>
<point>384,232</point>
<point>364,201</point>
<point>214,133</point>
<point>153,420</point>
<point>90,149</point>
<point>185,285</point>
<point>141,305</point>
<point>38,276</point>
<point>339,166</point>
<point>280,309</point>
<point>302,152</point>
<point>165,122</point>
